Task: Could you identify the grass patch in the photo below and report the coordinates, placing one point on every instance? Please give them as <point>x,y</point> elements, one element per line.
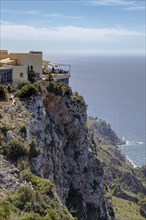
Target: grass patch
<point>126,210</point>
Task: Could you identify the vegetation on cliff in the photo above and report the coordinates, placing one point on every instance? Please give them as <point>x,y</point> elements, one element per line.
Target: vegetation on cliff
<point>35,199</point>
<point>58,128</point>
<point>28,90</point>
<point>26,196</point>
<point>50,159</point>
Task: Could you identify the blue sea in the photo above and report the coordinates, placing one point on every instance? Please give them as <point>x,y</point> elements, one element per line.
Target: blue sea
<point>114,90</point>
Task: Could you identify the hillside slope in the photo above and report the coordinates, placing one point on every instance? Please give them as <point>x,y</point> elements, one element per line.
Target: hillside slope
<point>122,179</point>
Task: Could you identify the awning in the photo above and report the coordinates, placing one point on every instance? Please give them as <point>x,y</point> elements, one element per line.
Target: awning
<point>6,61</point>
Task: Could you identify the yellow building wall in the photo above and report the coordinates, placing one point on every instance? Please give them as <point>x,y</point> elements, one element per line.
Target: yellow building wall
<point>30,59</point>
<point>19,73</point>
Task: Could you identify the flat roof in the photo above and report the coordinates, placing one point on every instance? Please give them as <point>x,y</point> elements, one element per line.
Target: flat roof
<point>57,64</point>
<point>33,51</point>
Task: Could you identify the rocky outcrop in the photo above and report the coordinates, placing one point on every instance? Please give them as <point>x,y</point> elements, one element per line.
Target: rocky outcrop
<point>9,175</point>
<point>119,192</point>
<point>103,131</point>
<point>59,128</point>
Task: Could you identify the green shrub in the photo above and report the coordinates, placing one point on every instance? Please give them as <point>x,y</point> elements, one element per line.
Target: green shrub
<point>4,128</point>
<point>43,185</point>
<point>37,85</point>
<point>142,204</point>
<point>1,140</point>
<point>9,88</point>
<point>50,78</point>
<point>78,98</point>
<point>37,202</point>
<point>5,210</point>
<point>32,76</point>
<point>24,199</point>
<point>29,200</point>
<point>1,116</point>
<point>32,216</point>
<point>13,150</point>
<point>53,215</point>
<point>60,89</point>
<point>3,93</point>
<point>20,85</point>
<point>23,131</point>
<point>51,87</point>
<point>41,204</point>
<point>27,91</point>
<point>34,151</point>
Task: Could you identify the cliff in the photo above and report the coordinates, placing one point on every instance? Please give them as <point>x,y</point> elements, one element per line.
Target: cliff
<point>67,166</point>
<point>59,128</point>
<point>50,129</point>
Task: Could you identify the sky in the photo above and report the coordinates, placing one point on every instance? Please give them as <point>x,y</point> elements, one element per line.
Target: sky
<point>78,27</point>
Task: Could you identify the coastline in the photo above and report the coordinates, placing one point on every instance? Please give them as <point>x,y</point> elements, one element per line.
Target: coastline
<point>128,150</point>
<point>128,159</point>
<point>131,162</point>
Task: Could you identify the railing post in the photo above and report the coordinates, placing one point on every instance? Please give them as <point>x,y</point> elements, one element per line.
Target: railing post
<point>69,69</point>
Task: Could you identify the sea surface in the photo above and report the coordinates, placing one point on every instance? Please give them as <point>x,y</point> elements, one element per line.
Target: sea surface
<point>114,90</point>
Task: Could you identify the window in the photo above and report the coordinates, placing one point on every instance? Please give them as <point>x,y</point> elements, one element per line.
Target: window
<point>21,74</point>
<point>5,75</point>
<point>30,68</point>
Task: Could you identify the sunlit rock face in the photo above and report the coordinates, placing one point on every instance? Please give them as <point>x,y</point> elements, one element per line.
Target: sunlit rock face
<point>59,128</point>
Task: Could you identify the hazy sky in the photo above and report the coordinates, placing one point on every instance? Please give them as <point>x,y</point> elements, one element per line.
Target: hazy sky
<point>74,27</point>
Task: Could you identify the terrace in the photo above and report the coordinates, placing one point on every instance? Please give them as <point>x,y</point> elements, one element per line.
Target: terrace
<point>60,72</point>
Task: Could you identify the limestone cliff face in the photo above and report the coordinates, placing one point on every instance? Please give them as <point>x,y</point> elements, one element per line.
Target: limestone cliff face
<point>59,128</point>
